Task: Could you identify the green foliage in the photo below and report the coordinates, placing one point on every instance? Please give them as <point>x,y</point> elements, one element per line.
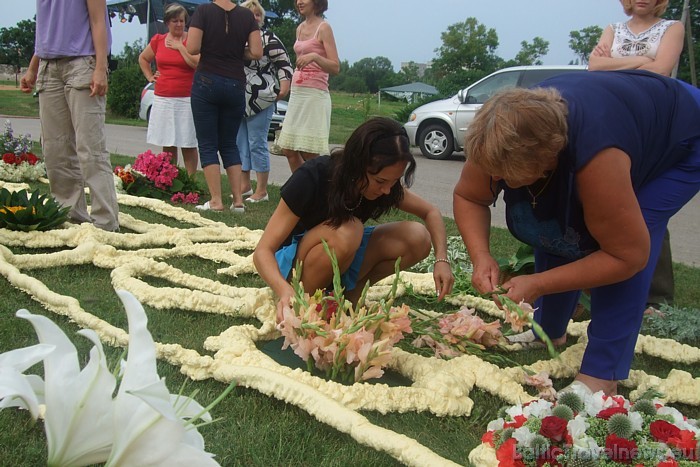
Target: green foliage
<point>17,43</point>
<point>468,45</point>
<point>674,11</point>
<point>584,40</point>
<point>680,324</point>
<point>403,114</point>
<point>125,85</point>
<point>522,262</point>
<point>530,53</point>
<point>130,54</point>
<point>18,211</point>
<point>620,425</point>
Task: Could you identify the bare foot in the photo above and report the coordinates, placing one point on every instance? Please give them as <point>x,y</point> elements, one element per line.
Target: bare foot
<point>609,387</point>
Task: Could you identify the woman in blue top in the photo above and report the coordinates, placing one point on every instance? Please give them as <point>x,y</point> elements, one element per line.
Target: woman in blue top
<point>592,166</point>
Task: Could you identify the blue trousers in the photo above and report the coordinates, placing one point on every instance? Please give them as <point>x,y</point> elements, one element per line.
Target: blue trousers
<point>252,141</point>
<point>218,105</point>
<point>617,309</point>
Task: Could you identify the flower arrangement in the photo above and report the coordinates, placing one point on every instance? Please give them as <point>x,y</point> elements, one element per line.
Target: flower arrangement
<point>593,429</point>
<point>87,418</point>
<point>20,211</point>
<point>155,176</point>
<point>18,163</point>
<point>348,344</point>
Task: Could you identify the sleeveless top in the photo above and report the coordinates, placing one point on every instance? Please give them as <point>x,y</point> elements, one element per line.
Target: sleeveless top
<point>312,75</point>
<point>650,117</point>
<point>645,44</point>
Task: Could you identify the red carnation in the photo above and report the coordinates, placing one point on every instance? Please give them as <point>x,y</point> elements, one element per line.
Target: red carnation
<point>553,428</point>
<point>661,430</point>
<point>31,158</point>
<point>668,463</point>
<point>620,449</point>
<point>605,414</point>
<point>508,456</point>
<point>9,158</point>
<point>686,442</point>
<point>518,421</point>
<point>488,438</point>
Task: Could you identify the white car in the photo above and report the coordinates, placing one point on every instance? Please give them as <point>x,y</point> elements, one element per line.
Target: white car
<point>147,102</point>
<point>438,127</point>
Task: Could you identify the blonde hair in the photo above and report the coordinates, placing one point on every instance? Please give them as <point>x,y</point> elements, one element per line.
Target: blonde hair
<point>518,133</point>
<point>659,9</point>
<point>255,6</point>
<point>174,10</point>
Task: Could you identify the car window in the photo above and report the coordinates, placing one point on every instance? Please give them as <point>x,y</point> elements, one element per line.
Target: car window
<point>532,77</point>
<point>479,93</point>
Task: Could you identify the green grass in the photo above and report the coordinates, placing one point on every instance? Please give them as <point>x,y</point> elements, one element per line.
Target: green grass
<point>256,429</point>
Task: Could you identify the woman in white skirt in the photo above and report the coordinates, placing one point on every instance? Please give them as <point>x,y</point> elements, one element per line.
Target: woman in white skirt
<point>170,124</point>
<point>307,123</point>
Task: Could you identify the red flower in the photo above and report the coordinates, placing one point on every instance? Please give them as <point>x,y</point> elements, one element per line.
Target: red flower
<point>668,463</point>
<point>620,449</point>
<point>553,428</point>
<point>9,158</point>
<point>508,456</point>
<point>686,442</point>
<point>550,457</point>
<point>488,438</point>
<point>518,421</point>
<point>31,158</point>
<point>605,414</point>
<point>661,430</point>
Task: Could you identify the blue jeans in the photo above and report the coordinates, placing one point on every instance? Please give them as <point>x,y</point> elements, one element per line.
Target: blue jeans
<point>218,105</point>
<point>252,141</point>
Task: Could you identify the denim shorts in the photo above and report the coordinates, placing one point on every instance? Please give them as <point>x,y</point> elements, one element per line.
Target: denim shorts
<point>286,256</point>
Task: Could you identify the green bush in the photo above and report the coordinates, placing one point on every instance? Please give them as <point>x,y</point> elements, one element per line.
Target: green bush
<point>124,95</point>
<point>405,112</point>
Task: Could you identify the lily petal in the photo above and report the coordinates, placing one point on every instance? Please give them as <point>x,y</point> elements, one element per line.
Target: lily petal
<point>16,391</point>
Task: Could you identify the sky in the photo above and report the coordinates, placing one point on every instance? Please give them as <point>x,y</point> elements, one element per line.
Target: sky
<point>410,30</point>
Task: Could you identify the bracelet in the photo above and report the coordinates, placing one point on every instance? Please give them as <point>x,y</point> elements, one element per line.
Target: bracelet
<point>442,260</point>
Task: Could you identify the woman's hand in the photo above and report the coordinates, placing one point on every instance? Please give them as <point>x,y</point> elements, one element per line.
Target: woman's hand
<point>444,280</point>
<point>486,274</point>
<point>174,44</point>
<point>285,301</point>
<point>306,59</point>
<point>523,288</point>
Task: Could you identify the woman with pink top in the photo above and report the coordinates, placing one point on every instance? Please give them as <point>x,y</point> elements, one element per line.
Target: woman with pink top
<point>307,123</point>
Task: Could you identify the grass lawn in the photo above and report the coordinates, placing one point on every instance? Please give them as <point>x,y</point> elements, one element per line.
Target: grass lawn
<point>256,429</point>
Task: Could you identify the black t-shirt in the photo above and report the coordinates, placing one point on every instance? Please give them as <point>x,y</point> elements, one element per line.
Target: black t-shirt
<point>222,51</point>
<point>306,194</point>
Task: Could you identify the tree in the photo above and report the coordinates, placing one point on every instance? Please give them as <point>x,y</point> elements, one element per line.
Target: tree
<point>530,53</point>
<point>468,49</point>
<point>408,73</point>
<point>674,11</point>
<point>375,72</point>
<point>17,43</point>
<point>583,41</point>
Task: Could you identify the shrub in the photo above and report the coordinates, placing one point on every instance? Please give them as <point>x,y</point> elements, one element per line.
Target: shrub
<point>125,85</point>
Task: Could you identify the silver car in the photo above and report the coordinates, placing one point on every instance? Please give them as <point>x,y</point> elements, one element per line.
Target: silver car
<point>147,102</point>
<point>438,128</point>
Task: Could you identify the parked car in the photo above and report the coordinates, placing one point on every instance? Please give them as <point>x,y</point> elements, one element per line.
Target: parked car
<point>147,102</point>
<point>438,127</point>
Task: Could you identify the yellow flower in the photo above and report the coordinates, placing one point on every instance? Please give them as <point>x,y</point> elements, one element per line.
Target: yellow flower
<point>12,209</point>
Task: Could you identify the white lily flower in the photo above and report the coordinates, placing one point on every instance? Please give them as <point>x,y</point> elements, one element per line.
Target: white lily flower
<point>150,430</point>
<point>78,420</point>
<point>524,436</point>
<point>539,408</point>
<point>17,389</point>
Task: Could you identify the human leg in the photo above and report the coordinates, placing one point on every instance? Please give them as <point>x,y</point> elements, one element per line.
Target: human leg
<point>88,116</point>
<point>242,140</point>
<point>58,141</point>
<point>258,127</point>
<point>190,156</point>
<point>294,158</point>
<point>231,113</point>
<point>661,290</point>
<point>205,112</point>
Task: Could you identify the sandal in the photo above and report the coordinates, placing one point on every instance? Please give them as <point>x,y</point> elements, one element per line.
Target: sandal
<point>207,207</point>
<point>238,209</point>
<point>526,340</point>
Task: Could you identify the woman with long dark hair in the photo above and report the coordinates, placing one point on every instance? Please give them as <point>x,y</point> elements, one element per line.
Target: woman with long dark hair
<point>331,197</point>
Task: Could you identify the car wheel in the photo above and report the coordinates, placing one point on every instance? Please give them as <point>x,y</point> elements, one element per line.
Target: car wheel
<point>436,142</point>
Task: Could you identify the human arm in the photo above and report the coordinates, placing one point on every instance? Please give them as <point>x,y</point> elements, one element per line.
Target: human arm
<point>601,59</point>
<point>280,61</point>
<point>194,40</point>
<point>432,218</point>
<point>669,51</point>
<point>29,79</point>
<point>471,199</point>
<point>613,217</point>
<point>285,85</point>
<point>254,49</point>
<point>330,63</point>
<point>191,60</point>
<point>278,228</point>
<point>145,59</point>
<point>98,30</point>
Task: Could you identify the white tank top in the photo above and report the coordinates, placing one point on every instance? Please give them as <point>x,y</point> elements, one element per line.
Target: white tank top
<point>646,43</point>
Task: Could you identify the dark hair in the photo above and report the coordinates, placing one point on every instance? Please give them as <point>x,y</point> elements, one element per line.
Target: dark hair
<point>378,143</point>
<point>320,6</point>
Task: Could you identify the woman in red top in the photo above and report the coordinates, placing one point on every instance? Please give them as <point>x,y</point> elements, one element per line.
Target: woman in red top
<point>170,124</point>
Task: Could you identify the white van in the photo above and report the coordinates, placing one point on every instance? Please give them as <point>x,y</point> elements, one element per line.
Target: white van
<point>438,128</point>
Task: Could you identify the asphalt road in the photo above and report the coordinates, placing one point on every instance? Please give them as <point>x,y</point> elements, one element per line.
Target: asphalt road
<point>434,181</point>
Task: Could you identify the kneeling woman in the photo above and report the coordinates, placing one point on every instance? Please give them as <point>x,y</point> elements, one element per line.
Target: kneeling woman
<point>331,197</point>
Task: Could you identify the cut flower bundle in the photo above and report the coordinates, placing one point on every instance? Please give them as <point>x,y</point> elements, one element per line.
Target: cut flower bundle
<point>18,163</point>
<point>591,429</point>
<point>348,344</point>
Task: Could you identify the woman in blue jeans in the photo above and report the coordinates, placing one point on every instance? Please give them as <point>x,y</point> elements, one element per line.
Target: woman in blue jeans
<point>592,166</point>
<point>219,31</point>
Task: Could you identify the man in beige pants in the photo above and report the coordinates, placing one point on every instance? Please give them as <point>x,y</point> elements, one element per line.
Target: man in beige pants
<point>69,68</point>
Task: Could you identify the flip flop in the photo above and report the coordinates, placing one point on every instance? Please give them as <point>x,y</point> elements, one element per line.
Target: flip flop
<point>259,200</point>
<point>526,340</point>
<point>238,209</point>
<point>207,207</point>
<point>247,193</point>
